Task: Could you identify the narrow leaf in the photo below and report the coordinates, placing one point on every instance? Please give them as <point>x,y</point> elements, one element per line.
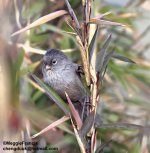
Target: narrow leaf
<point>81,141</point>
<point>104,22</point>
<point>124,126</point>
<point>30,49</point>
<point>42,117</point>
<point>100,16</point>
<point>74,112</point>
<point>72,14</point>
<point>98,120</point>
<point>52,94</point>
<point>35,85</point>
<point>88,123</point>
<point>51,126</point>
<point>106,61</point>
<point>42,20</point>
<point>93,44</point>
<point>102,53</point>
<point>122,58</point>
<point>127,15</point>
<point>101,148</point>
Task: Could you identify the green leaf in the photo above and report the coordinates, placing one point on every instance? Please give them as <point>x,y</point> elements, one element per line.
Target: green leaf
<point>124,126</point>
<point>105,22</point>
<point>101,148</point>
<point>102,53</point>
<point>93,43</point>
<point>106,61</point>
<point>122,58</point>
<point>52,94</point>
<point>87,125</point>
<point>72,14</point>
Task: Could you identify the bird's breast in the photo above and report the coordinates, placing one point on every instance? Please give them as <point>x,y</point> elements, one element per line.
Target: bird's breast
<point>67,81</point>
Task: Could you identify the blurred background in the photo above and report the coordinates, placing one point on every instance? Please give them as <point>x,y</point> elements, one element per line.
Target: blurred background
<point>125,95</point>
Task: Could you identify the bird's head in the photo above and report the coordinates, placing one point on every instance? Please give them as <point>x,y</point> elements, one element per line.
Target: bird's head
<point>54,60</point>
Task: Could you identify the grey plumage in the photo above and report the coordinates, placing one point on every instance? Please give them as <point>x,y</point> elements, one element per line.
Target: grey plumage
<point>61,74</point>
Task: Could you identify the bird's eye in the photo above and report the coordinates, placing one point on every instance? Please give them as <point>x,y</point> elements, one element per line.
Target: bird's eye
<point>54,61</point>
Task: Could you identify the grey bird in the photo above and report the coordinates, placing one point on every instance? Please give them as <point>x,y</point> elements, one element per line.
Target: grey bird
<point>63,75</point>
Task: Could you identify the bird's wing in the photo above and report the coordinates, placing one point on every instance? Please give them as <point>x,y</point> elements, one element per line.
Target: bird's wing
<point>79,70</point>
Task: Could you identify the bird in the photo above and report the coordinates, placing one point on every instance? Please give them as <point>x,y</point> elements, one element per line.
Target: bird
<point>63,75</point>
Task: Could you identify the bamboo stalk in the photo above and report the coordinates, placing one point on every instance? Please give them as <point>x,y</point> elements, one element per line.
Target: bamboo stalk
<point>84,60</point>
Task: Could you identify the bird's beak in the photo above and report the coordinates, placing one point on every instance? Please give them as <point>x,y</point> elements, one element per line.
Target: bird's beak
<point>48,67</point>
